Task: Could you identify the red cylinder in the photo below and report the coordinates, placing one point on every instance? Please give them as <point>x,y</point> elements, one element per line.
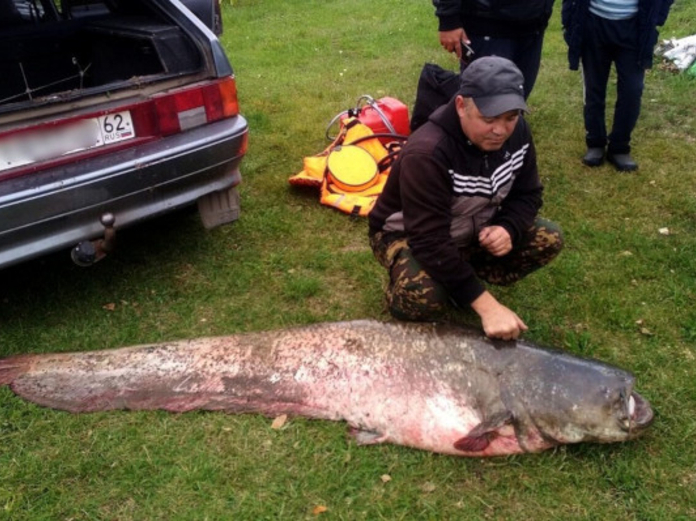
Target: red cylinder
<point>394,110</point>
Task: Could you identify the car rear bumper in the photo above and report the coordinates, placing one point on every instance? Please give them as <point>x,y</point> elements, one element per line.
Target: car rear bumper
<point>57,208</point>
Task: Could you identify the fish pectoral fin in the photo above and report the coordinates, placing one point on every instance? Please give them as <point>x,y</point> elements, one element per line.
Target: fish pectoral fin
<point>481,436</point>
<point>473,444</point>
<point>363,437</point>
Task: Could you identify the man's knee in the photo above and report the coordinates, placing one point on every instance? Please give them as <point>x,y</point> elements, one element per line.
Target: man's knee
<point>548,240</point>
<point>412,294</point>
<point>543,242</point>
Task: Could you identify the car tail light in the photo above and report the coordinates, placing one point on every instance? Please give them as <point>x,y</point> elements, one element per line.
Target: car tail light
<point>196,106</point>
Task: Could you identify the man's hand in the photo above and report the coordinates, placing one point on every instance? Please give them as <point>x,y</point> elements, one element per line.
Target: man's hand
<point>452,40</point>
<point>496,240</point>
<point>497,320</point>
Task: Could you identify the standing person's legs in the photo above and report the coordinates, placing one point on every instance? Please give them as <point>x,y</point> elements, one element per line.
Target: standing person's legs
<point>525,52</point>
<point>528,59</point>
<point>489,46</point>
<point>596,58</point>
<point>629,88</point>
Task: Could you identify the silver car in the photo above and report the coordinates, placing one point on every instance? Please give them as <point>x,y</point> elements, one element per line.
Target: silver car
<point>112,112</point>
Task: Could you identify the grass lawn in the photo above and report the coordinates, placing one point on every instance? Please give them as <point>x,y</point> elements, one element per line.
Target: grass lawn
<point>623,291</point>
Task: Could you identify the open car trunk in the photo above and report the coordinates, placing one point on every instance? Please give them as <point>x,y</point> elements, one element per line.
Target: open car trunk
<point>74,48</point>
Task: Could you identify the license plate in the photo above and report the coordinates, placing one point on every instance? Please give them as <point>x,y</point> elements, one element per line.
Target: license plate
<point>116,127</point>
<point>45,144</point>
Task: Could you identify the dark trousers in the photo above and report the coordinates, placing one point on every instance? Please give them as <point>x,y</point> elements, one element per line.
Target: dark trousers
<point>607,42</point>
<point>524,51</point>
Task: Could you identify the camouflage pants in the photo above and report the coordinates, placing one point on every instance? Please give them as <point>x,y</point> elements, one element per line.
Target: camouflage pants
<point>413,295</point>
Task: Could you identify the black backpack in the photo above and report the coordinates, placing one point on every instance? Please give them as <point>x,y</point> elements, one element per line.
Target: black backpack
<point>436,86</point>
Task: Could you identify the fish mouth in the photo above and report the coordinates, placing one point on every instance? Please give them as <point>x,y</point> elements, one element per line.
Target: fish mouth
<point>641,413</point>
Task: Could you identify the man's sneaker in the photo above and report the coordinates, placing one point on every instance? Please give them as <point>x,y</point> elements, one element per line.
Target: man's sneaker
<point>622,162</point>
<point>594,156</point>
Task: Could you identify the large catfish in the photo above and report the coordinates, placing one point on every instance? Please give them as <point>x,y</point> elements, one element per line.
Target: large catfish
<point>434,387</point>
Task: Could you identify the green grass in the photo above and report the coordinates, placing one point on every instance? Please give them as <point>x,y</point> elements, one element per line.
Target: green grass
<point>620,291</point>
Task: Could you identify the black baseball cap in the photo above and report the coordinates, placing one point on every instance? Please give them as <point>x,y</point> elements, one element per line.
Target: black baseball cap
<point>495,84</point>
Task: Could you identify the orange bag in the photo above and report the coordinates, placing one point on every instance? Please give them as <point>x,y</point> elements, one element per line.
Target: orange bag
<point>351,172</point>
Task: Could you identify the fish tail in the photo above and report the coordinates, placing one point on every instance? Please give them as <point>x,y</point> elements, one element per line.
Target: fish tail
<point>13,367</point>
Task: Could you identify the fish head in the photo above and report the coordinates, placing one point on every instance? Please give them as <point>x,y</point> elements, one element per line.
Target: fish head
<point>620,417</point>
<point>583,402</point>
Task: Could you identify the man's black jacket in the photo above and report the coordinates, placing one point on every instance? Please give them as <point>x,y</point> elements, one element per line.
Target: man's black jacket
<point>442,190</point>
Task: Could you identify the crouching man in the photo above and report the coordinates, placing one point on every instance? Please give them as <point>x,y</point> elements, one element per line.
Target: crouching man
<point>461,205</point>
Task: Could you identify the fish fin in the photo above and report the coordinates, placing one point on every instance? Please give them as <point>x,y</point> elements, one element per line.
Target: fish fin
<point>481,436</point>
<point>13,367</point>
<point>473,444</point>
<point>367,437</point>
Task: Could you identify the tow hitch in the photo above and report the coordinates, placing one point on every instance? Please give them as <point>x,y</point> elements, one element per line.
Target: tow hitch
<point>87,253</point>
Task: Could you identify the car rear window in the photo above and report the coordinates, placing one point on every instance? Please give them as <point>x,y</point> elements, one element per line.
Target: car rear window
<point>62,50</point>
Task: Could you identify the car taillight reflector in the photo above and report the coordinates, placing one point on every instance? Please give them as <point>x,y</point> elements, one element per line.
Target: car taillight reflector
<point>196,106</point>
<point>245,144</point>
<point>228,94</point>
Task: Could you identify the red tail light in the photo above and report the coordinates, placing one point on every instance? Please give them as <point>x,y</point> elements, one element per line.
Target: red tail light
<point>196,106</point>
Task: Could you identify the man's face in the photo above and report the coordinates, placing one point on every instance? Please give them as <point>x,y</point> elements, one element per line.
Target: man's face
<point>488,134</point>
